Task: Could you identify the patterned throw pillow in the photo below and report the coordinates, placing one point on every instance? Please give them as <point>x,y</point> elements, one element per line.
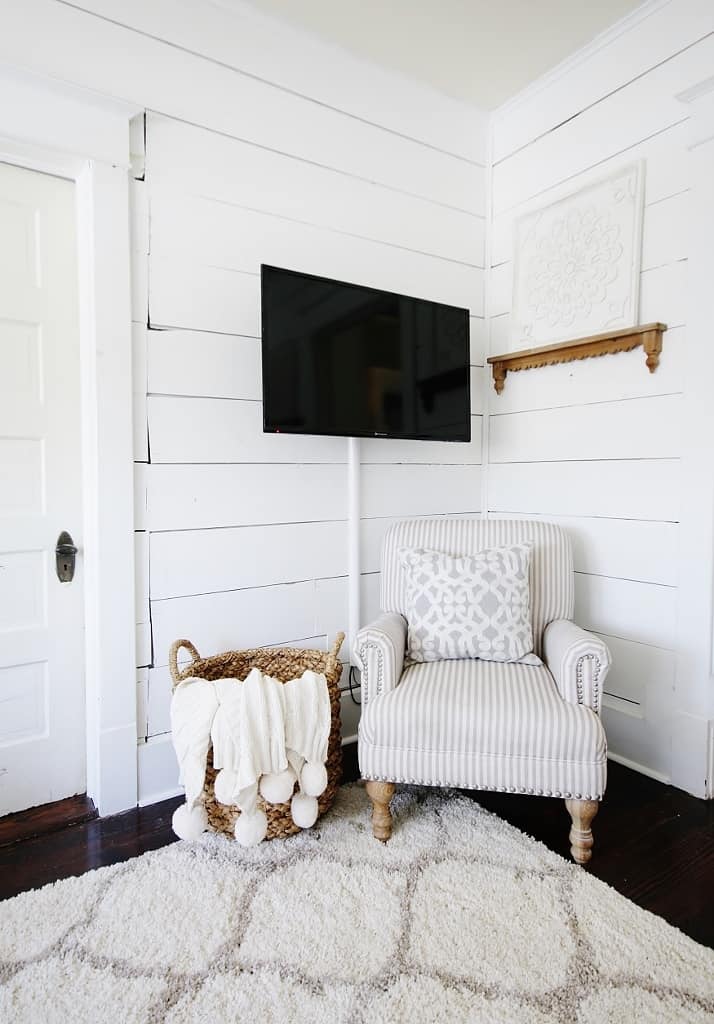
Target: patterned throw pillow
<point>469,606</point>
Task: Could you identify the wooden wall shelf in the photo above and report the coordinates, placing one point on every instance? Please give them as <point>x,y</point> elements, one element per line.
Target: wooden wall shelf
<point>648,335</point>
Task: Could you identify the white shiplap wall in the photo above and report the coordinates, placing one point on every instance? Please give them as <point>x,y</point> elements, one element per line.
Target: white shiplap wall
<point>597,444</point>
<point>242,536</point>
<point>266,143</point>
<point>262,143</point>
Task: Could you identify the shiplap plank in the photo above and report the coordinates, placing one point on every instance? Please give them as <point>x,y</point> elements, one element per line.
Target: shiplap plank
<point>499,332</point>
<point>158,701</point>
<point>141,471</point>
<point>139,373</point>
<point>663,294</point>
<point>479,340</point>
<point>142,703</point>
<point>389,490</point>
<point>644,612</point>
<point>204,561</point>
<point>631,549</point>
<point>301,62</point>
<point>139,242</point>
<point>221,430</point>
<point>143,644</point>
<point>141,576</point>
<point>639,672</point>
<point>665,231</point>
<point>372,533</point>
<point>209,298</point>
<point>234,619</point>
<point>331,606</point>
<point>385,450</point>
<point>647,489</point>
<point>115,61</point>
<point>637,704</point>
<point>633,429</point>
<point>666,175</point>
<point>203,298</point>
<point>480,376</point>
<point>631,54</point>
<point>202,364</point>
<point>189,161</point>
<point>636,741</point>
<point>209,430</point>
<point>186,497</point>
<point>500,289</point>
<point>581,382</point>
<point>619,121</point>
<point>212,235</point>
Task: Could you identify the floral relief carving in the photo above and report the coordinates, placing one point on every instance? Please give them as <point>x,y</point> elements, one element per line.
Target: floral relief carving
<point>577,262</point>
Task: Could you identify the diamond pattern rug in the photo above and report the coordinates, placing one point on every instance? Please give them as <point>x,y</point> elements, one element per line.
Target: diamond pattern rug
<point>460,917</point>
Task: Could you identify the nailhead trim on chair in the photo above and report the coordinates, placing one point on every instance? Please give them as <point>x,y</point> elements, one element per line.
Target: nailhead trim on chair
<point>490,789</point>
<point>380,669</point>
<point>579,682</point>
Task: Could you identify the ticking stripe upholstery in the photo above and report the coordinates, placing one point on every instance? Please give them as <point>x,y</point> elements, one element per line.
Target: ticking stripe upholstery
<point>551,564</point>
<point>483,725</point>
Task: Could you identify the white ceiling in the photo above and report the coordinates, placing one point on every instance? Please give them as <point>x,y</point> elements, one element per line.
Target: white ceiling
<point>480,51</point>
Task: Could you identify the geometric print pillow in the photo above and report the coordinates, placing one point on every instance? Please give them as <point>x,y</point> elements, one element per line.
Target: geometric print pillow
<point>469,606</point>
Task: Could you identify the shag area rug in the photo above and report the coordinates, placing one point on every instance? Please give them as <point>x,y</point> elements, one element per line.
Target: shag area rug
<point>460,917</point>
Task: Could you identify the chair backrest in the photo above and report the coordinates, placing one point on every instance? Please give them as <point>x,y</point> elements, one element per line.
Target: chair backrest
<point>552,595</point>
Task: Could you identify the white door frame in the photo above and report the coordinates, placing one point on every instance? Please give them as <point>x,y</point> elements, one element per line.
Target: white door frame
<point>50,127</point>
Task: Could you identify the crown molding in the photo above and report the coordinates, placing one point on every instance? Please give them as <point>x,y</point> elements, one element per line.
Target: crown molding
<point>604,39</point>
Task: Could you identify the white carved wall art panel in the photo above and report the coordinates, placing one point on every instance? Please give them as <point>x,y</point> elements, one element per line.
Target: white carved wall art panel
<point>577,262</point>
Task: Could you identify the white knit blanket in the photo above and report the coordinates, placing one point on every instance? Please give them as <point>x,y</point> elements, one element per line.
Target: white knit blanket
<point>260,727</point>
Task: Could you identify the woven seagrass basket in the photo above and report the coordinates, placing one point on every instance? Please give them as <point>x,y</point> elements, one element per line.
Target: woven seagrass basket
<point>283,663</point>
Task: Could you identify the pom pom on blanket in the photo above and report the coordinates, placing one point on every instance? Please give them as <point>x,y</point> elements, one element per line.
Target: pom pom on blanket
<point>277,787</point>
<point>189,823</point>
<point>304,810</point>
<point>313,778</point>
<point>252,828</point>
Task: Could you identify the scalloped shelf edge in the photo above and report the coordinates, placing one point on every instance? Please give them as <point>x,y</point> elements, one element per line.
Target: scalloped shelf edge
<point>622,340</point>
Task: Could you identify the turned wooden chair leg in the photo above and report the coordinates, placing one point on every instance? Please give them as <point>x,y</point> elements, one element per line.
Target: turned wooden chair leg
<point>380,793</point>
<point>582,813</point>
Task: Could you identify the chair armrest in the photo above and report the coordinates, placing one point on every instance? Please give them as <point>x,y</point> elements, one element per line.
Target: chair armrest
<point>379,654</point>
<point>578,661</point>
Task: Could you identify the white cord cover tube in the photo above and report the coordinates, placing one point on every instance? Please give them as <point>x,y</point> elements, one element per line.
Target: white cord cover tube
<point>353,535</point>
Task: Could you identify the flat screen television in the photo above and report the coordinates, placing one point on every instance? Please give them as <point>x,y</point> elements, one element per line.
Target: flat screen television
<point>346,360</point>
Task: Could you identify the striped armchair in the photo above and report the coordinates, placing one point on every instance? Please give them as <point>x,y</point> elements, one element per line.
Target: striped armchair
<point>480,724</point>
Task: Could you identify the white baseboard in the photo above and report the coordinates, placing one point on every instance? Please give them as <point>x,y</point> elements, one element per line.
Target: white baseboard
<point>692,754</point>
<point>641,768</point>
<point>156,798</point>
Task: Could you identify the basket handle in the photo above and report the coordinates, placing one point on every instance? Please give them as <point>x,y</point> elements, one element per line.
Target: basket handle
<point>176,646</point>
<point>334,651</point>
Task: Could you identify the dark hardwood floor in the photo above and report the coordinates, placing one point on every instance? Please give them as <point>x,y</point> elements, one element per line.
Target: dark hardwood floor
<point>38,821</point>
<point>653,843</point>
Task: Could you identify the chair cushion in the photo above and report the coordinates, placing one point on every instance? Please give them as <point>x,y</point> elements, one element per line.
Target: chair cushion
<point>483,725</point>
<point>468,606</point>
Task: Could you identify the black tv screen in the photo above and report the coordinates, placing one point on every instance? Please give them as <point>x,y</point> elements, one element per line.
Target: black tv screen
<point>351,361</point>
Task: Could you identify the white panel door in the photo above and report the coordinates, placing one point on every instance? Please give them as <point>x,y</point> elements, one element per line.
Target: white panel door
<point>42,715</point>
